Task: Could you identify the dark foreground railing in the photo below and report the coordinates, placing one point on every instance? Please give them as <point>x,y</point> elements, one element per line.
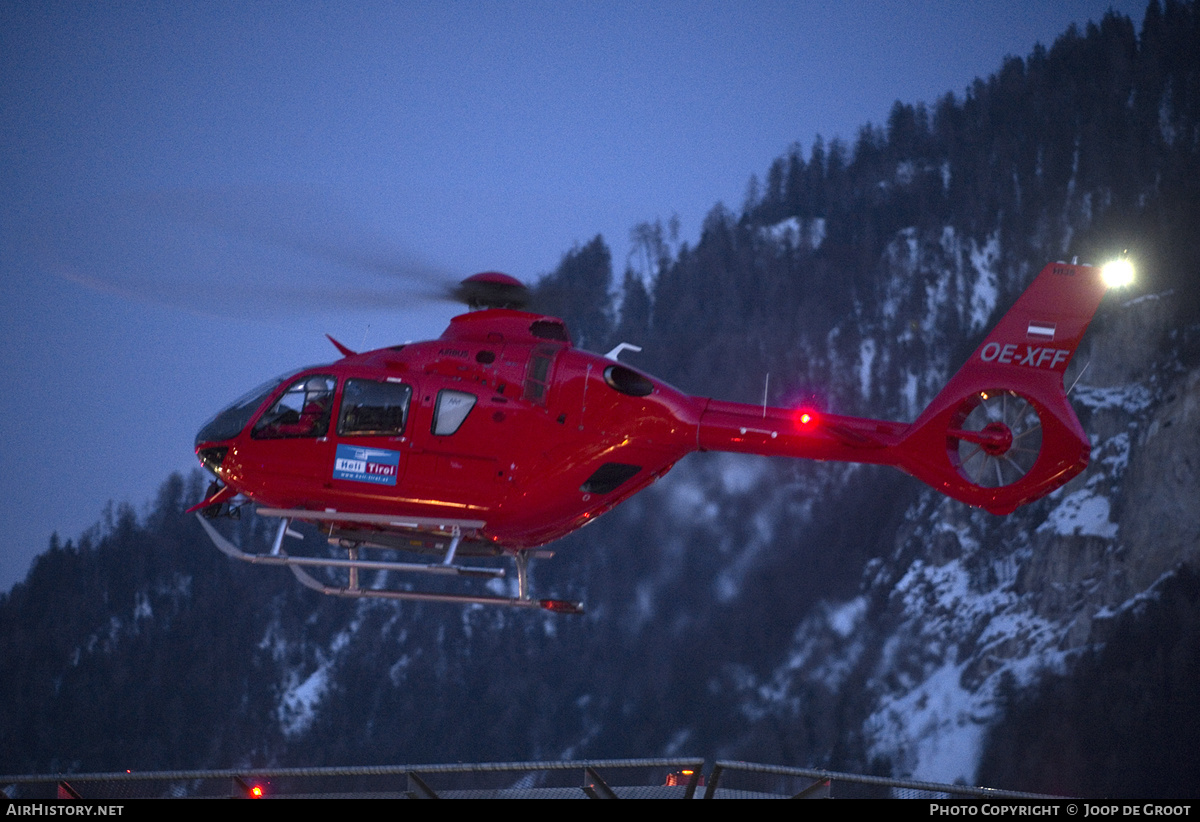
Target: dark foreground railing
<point>681,778</point>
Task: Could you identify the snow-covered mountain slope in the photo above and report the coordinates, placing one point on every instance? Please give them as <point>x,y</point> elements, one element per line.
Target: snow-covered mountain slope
<point>967,607</point>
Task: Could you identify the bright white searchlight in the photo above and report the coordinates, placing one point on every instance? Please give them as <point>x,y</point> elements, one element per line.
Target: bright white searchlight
<point>1117,274</point>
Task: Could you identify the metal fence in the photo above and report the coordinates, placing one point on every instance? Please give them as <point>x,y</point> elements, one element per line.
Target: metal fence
<point>730,780</point>
<point>681,778</point>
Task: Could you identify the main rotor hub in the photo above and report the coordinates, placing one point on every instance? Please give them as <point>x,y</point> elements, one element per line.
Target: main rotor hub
<point>491,289</point>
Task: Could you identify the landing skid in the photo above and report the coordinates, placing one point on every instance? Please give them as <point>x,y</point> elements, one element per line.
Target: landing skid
<point>353,564</point>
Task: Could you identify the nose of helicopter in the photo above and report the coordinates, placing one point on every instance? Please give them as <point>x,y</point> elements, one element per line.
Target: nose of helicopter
<point>212,457</point>
<point>210,454</point>
<point>212,440</point>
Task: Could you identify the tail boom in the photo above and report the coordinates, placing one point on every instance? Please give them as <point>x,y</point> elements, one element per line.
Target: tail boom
<point>798,433</point>
<point>999,435</point>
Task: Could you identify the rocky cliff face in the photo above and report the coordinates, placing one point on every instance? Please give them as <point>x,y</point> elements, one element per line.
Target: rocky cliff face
<point>1160,512</point>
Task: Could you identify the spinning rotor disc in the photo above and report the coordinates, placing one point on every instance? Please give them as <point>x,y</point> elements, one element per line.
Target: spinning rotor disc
<point>997,440</point>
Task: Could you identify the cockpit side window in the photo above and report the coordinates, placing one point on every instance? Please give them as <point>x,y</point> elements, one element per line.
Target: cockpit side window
<point>302,411</point>
<point>451,410</point>
<point>537,375</point>
<point>374,408</point>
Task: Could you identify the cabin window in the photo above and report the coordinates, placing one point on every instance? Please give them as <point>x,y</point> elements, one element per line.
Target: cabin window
<point>374,408</point>
<point>302,411</point>
<point>451,410</point>
<point>537,375</point>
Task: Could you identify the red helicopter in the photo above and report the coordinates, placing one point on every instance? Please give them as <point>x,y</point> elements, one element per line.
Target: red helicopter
<point>500,437</point>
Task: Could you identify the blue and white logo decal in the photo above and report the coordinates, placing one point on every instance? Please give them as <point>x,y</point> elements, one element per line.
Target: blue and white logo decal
<point>376,465</point>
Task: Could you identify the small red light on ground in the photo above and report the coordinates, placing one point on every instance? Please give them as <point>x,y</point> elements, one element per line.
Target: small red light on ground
<point>256,792</point>
<point>561,606</point>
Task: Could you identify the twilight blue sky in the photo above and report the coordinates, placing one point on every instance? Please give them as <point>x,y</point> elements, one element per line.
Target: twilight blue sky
<point>165,163</point>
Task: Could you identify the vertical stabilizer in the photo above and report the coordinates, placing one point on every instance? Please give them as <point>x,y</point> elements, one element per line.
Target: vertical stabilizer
<point>1002,433</point>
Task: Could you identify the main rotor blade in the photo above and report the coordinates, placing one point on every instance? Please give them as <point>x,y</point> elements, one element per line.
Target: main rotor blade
<point>305,220</point>
<point>223,253</point>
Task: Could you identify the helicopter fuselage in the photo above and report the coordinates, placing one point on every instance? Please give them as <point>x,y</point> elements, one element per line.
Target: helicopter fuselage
<point>500,420</point>
<point>501,423</point>
<point>500,436</point>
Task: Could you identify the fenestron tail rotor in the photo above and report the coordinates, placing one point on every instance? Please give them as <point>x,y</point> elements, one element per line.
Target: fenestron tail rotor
<point>996,439</point>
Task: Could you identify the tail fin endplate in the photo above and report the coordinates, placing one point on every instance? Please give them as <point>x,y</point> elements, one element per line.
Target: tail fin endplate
<point>1002,433</point>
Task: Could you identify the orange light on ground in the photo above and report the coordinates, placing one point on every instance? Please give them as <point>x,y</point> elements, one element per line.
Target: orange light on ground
<point>681,778</point>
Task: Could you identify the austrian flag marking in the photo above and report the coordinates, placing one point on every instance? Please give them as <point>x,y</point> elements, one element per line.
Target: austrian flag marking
<point>1040,331</point>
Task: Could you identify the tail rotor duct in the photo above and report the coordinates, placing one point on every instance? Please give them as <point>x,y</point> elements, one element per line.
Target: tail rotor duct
<point>997,439</point>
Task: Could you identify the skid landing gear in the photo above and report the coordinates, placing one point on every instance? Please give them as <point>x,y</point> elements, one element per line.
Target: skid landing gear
<point>353,563</point>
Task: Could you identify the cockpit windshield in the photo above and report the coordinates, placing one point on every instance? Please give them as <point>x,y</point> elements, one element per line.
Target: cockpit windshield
<point>230,421</point>
<point>302,411</point>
